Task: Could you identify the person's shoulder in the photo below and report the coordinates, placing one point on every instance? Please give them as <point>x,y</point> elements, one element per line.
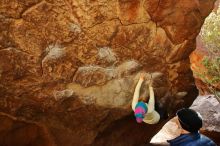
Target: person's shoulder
<point>207,141</point>
<point>183,139</point>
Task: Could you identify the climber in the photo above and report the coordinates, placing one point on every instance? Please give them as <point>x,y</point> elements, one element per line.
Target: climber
<point>145,111</point>
<point>189,123</point>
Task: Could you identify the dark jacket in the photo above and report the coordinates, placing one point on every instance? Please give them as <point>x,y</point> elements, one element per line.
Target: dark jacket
<point>192,139</point>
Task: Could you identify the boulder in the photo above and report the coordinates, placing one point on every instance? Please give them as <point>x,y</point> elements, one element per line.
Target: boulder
<point>209,107</point>
<point>68,69</point>
<point>197,66</point>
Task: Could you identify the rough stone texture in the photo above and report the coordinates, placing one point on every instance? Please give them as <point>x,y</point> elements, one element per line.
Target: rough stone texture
<point>72,65</point>
<point>22,132</point>
<point>209,107</point>
<point>196,58</point>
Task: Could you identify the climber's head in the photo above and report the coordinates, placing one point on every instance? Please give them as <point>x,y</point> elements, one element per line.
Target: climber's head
<point>140,111</point>
<point>189,120</point>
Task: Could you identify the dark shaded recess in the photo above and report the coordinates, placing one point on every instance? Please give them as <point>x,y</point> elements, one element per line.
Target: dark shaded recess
<point>14,132</point>
<point>124,131</point>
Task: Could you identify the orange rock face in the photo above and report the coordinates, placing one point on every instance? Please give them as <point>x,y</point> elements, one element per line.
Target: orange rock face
<point>196,59</point>
<point>72,66</point>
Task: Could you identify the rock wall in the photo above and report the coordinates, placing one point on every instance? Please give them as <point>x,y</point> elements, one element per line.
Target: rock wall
<point>71,66</point>
<point>203,50</point>
<point>196,58</point>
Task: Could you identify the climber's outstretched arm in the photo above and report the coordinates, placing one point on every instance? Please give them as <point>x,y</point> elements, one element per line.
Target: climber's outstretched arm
<point>136,93</point>
<point>151,103</point>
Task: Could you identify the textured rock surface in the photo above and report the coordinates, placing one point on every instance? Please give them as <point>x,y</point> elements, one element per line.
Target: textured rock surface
<point>72,65</point>
<point>209,108</point>
<point>22,132</point>
<point>196,58</point>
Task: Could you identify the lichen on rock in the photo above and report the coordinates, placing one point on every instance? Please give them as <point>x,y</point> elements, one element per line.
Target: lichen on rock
<point>72,65</point>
